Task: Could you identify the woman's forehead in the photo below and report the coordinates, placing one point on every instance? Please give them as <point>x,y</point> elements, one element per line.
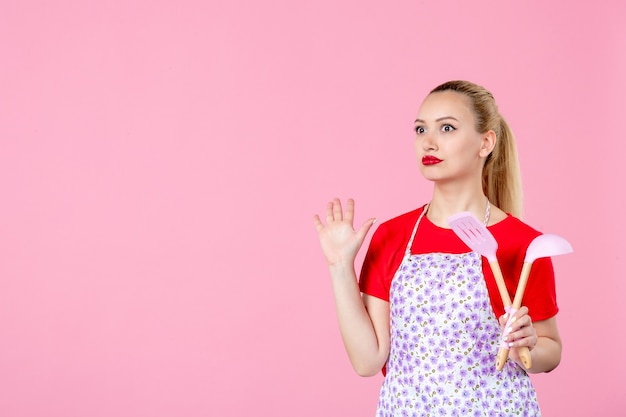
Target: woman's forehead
<point>445,104</point>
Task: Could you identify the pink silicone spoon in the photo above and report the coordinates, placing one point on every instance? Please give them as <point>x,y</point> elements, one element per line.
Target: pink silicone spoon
<point>542,246</point>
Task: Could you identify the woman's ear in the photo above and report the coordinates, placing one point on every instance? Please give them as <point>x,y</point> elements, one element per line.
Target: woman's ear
<point>489,143</point>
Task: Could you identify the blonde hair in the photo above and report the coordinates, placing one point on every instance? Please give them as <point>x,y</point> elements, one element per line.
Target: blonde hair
<point>502,182</point>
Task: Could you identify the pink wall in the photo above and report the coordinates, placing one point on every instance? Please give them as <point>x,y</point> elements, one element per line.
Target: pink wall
<point>160,163</point>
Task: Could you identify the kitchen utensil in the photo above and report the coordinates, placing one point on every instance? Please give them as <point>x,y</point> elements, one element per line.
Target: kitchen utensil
<point>542,246</point>
<point>479,239</point>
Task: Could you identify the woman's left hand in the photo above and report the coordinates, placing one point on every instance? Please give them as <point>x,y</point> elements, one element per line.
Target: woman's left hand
<point>520,333</point>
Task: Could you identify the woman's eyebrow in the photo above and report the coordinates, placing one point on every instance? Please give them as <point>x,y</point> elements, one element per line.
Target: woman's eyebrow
<point>438,120</point>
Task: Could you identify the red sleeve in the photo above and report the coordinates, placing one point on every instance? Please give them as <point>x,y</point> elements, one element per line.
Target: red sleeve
<point>374,279</point>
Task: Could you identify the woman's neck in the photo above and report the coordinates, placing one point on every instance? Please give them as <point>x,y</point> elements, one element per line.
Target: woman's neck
<point>446,202</point>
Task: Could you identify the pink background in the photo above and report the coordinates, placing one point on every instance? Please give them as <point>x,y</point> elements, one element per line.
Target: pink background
<point>160,163</point>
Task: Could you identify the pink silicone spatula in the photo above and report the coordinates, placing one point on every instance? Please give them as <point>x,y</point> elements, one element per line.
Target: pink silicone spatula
<point>476,236</point>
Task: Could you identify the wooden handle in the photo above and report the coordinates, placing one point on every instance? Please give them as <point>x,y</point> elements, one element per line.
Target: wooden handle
<point>521,285</point>
<point>523,351</point>
<point>524,355</point>
<point>503,354</point>
<point>497,274</point>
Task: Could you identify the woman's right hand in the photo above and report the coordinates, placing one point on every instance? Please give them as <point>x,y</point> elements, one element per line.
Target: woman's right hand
<point>339,240</point>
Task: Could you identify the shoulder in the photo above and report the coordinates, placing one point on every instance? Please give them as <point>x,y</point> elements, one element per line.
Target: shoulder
<point>396,231</point>
<point>513,232</point>
<point>399,225</point>
<point>385,253</point>
<point>402,220</point>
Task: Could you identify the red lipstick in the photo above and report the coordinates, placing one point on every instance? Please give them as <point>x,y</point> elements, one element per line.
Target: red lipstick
<point>430,160</point>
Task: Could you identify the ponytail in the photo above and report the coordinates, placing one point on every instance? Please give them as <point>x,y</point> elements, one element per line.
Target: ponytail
<point>502,181</point>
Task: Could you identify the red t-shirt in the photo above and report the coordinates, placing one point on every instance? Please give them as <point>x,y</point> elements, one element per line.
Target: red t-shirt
<point>388,246</point>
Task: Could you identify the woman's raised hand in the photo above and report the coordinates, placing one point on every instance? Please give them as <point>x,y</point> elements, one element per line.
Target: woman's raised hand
<point>339,240</point>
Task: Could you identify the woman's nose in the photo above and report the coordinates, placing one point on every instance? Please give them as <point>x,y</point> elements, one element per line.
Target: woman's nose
<point>429,142</point>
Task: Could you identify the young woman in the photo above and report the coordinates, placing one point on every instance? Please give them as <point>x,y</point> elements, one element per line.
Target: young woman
<point>426,309</point>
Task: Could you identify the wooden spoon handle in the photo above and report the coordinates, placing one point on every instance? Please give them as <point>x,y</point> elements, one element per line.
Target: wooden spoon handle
<point>521,285</point>
<point>523,351</point>
<point>524,355</point>
<point>503,353</point>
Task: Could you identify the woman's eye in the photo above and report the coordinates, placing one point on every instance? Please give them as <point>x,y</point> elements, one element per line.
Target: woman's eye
<point>419,130</point>
<point>447,128</point>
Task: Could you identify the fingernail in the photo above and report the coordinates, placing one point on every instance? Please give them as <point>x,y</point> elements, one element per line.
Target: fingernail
<point>511,344</point>
<point>509,330</point>
<point>375,220</point>
<point>513,319</point>
<point>505,338</point>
